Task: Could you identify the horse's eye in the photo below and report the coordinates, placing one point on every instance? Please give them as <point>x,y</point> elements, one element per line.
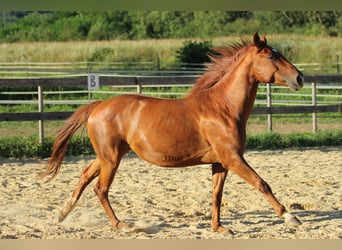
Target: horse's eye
<point>274,55</point>
<point>271,57</point>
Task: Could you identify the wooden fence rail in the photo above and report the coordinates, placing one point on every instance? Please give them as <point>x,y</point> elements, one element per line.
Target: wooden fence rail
<point>50,116</point>
<point>140,82</point>
<point>81,80</point>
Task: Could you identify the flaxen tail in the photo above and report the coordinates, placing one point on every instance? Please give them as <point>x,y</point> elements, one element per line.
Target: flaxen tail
<point>76,120</point>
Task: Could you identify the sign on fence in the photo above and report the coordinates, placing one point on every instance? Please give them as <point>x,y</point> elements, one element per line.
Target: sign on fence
<point>93,82</point>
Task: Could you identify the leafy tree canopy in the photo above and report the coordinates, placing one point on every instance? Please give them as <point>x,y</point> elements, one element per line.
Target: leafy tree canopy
<point>76,26</point>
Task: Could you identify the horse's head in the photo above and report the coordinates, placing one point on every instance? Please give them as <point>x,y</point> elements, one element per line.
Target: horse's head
<point>270,66</point>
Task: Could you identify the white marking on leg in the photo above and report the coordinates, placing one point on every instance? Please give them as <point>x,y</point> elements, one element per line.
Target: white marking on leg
<point>68,207</point>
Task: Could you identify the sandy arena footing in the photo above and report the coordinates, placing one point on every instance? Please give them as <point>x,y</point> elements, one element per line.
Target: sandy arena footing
<point>165,203</point>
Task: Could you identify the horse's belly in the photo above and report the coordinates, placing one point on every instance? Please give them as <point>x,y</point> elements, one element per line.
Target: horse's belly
<point>170,156</point>
<point>168,160</point>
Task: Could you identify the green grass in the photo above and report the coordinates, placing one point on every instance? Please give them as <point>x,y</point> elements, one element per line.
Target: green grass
<point>294,140</point>
<point>297,48</point>
<point>29,147</point>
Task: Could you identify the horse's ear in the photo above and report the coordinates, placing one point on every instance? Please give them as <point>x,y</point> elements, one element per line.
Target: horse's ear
<point>265,40</point>
<point>260,44</point>
<point>256,39</point>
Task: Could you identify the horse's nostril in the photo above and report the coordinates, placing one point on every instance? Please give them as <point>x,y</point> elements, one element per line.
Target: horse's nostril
<point>300,78</point>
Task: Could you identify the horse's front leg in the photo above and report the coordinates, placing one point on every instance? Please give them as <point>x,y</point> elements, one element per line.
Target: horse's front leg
<point>239,166</point>
<point>219,175</point>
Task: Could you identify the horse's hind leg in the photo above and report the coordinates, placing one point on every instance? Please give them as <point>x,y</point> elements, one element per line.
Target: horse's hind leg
<point>88,174</point>
<point>109,166</point>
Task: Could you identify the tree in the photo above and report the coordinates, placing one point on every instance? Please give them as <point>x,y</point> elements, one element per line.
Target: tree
<point>75,25</point>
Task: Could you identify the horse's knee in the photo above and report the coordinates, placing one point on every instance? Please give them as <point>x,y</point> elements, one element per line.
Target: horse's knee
<point>100,191</point>
<point>97,189</point>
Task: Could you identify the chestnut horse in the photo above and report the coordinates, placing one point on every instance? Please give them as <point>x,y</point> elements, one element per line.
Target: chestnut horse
<point>207,126</point>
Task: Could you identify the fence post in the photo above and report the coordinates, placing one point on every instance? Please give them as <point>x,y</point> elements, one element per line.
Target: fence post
<point>338,63</point>
<point>269,105</point>
<point>139,86</point>
<point>40,109</point>
<point>314,104</point>
<point>89,68</point>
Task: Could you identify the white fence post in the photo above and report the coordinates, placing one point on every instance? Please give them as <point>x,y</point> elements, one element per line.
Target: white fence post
<point>40,109</point>
<point>139,85</point>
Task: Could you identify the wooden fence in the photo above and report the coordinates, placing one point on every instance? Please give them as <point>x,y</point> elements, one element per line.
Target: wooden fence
<point>142,81</point>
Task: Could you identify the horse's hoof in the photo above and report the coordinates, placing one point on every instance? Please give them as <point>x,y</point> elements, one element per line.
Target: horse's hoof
<point>223,230</point>
<point>124,227</point>
<point>61,216</point>
<point>229,233</point>
<point>291,219</point>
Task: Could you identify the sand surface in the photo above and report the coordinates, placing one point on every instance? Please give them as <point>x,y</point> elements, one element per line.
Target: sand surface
<point>176,203</point>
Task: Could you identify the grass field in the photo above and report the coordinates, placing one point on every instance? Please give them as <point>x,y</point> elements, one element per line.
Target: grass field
<point>298,49</point>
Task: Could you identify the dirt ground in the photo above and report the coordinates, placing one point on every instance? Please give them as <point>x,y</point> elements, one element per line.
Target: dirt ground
<point>165,203</point>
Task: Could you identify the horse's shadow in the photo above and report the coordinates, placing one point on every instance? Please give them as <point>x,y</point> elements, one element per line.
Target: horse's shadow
<point>307,217</point>
<point>268,218</point>
<point>148,228</point>
<point>320,216</point>
<point>304,216</point>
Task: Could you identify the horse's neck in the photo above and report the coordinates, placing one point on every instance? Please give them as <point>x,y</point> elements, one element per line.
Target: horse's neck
<point>238,92</point>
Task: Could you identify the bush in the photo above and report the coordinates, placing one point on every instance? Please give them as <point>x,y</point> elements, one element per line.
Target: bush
<point>101,54</point>
<point>29,147</point>
<point>194,52</point>
<point>265,141</point>
<point>295,140</point>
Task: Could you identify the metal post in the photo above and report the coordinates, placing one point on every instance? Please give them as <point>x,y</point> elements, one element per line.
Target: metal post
<point>269,105</point>
<point>338,63</point>
<point>314,103</point>
<point>40,109</point>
